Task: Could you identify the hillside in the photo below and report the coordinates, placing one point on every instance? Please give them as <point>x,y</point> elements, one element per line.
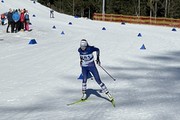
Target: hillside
<point>39,80</point>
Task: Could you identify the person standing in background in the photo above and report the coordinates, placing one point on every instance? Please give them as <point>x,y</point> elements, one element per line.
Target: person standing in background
<point>21,27</point>
<point>27,20</point>
<point>16,18</point>
<point>3,18</point>
<point>10,21</point>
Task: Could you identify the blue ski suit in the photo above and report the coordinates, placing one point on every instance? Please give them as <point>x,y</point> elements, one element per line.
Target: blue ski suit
<point>88,65</point>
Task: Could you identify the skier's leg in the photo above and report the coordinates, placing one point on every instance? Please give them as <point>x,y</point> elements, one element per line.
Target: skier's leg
<point>53,15</point>
<point>12,27</point>
<point>95,73</point>
<point>102,85</point>
<point>84,81</point>
<point>7,29</point>
<point>27,26</point>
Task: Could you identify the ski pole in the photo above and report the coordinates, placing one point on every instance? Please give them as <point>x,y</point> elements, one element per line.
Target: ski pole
<point>108,73</point>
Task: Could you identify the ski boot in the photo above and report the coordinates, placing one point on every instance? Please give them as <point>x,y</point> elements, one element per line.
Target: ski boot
<point>84,96</point>
<point>111,99</point>
<point>109,96</point>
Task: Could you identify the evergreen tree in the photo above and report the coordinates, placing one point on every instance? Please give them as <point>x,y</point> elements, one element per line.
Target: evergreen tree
<point>86,8</point>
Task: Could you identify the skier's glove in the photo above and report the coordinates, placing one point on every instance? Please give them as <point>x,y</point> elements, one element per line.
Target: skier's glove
<point>98,61</point>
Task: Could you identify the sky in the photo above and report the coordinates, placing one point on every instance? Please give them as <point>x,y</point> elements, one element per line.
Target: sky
<point>39,80</point>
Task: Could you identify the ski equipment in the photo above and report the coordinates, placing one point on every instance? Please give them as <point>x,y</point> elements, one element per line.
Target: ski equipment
<point>108,73</point>
<point>111,99</point>
<point>84,96</point>
<point>113,103</point>
<point>77,102</point>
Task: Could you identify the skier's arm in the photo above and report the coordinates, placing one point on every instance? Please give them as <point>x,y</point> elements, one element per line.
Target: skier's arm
<point>80,61</point>
<point>80,58</point>
<point>98,54</point>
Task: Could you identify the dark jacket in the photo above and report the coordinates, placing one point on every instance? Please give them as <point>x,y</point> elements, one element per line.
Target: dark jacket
<point>9,17</point>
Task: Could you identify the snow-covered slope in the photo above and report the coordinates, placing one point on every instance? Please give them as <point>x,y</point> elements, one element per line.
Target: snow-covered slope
<point>38,81</point>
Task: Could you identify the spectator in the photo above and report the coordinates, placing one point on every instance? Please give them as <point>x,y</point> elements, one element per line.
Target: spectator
<point>27,20</point>
<point>21,27</point>
<point>10,21</point>
<point>16,18</point>
<point>2,18</point>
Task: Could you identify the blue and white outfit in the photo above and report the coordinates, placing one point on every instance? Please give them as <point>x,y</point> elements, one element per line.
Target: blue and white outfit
<point>88,65</point>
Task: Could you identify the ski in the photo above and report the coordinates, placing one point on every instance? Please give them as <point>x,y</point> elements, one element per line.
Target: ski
<point>77,102</point>
<point>113,103</point>
<point>80,101</point>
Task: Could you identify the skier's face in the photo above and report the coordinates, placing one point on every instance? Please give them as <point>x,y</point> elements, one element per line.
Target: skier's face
<point>83,44</point>
<point>83,47</point>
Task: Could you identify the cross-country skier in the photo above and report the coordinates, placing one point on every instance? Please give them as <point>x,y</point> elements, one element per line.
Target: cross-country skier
<point>88,65</point>
<point>51,13</point>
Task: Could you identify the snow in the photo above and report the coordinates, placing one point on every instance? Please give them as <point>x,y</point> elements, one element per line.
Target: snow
<point>38,81</point>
